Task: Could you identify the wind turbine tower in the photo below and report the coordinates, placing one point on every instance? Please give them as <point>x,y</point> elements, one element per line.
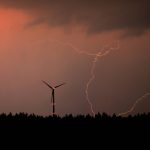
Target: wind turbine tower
<point>53,94</point>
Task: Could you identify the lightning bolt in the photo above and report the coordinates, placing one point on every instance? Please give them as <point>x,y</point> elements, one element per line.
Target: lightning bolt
<point>134,105</point>
<point>92,72</point>
<point>96,56</point>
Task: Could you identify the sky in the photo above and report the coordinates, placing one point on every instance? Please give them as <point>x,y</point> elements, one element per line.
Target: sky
<point>39,39</point>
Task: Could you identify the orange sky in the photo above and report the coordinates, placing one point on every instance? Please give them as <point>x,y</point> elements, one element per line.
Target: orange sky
<point>30,54</point>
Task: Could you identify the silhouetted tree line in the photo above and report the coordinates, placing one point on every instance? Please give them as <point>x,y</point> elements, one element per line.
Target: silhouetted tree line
<point>69,117</point>
<point>102,126</point>
<point>98,119</point>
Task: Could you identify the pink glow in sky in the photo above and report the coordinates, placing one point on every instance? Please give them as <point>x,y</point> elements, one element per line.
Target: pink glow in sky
<point>29,53</point>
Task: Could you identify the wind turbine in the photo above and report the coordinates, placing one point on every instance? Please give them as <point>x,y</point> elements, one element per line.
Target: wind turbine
<point>53,94</point>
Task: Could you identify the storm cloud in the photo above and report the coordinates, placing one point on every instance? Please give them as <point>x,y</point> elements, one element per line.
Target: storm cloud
<point>96,16</point>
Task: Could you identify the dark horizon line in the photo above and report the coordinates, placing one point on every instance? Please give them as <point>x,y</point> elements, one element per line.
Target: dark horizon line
<point>103,114</point>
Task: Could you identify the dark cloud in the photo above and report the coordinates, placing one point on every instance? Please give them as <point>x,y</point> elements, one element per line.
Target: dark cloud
<point>96,15</point>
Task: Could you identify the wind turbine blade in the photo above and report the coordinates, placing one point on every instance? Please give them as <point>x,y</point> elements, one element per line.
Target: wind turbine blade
<point>47,84</point>
<point>59,85</point>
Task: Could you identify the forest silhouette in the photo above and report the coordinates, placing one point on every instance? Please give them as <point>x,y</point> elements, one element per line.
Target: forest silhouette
<point>80,129</point>
<point>101,122</point>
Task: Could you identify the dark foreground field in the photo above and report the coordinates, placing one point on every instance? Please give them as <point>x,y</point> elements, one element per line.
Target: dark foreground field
<point>86,128</point>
